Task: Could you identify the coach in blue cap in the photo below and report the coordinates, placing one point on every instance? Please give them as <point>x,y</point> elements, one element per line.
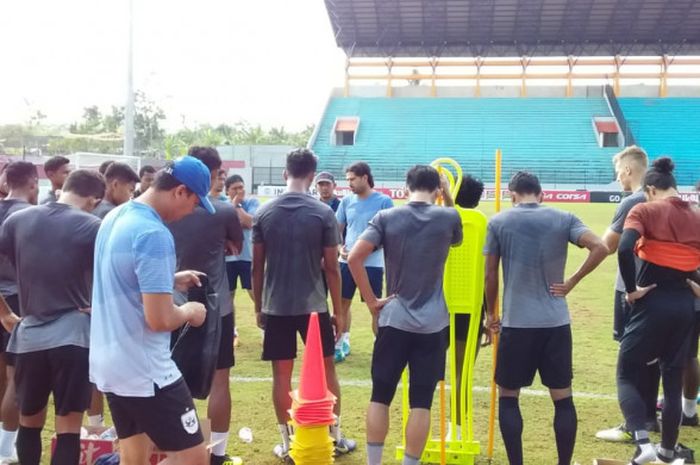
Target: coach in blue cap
<point>133,314</point>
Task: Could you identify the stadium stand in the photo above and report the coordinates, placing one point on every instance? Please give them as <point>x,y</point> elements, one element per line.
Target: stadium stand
<point>668,126</point>
<point>538,134</point>
<point>414,52</point>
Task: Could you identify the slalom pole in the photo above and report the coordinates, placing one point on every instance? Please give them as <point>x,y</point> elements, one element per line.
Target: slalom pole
<point>492,412</point>
<point>443,430</point>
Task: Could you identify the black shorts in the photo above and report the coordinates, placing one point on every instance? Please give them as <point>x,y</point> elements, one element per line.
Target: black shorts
<point>659,327</point>
<point>695,335</point>
<point>280,340</point>
<point>423,353</point>
<point>168,418</point>
<point>226,358</point>
<point>12,302</point>
<point>524,351</point>
<point>374,273</point>
<point>62,371</point>
<point>462,322</point>
<point>621,315</point>
<point>236,270</point>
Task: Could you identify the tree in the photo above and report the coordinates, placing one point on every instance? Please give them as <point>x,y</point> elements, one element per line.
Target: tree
<point>300,139</point>
<point>113,122</point>
<point>91,123</point>
<point>147,119</point>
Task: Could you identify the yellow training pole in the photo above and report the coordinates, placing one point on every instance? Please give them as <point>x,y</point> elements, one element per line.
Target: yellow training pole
<point>492,412</point>
<point>443,431</point>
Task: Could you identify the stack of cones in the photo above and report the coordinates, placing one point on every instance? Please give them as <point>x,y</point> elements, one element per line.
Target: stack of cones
<point>312,405</point>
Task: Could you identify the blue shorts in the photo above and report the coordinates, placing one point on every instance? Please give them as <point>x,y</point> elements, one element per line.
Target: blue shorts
<point>239,269</point>
<point>374,273</point>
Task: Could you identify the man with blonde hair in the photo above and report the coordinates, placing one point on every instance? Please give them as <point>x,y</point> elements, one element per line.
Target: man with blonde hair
<point>630,167</point>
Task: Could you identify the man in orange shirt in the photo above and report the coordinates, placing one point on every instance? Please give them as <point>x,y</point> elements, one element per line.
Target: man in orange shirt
<point>663,235</point>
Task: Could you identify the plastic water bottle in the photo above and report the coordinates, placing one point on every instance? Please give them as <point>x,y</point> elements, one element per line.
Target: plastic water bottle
<point>246,435</point>
<point>110,433</point>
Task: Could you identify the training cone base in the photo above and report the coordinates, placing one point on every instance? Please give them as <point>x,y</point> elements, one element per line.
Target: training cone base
<point>312,405</point>
<point>311,446</point>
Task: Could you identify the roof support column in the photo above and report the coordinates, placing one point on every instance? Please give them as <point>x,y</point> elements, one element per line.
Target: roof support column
<point>433,80</point>
<point>569,80</point>
<point>616,77</point>
<point>663,77</point>
<point>479,63</point>
<point>389,65</point>
<point>524,61</point>
<point>346,89</point>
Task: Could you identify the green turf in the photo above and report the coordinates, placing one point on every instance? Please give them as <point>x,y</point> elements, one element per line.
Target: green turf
<point>595,353</point>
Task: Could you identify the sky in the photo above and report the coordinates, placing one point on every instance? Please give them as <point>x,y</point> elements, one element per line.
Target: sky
<point>270,62</point>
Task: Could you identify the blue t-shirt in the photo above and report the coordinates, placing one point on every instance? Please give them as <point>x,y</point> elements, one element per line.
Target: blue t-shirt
<point>134,255</point>
<point>250,206</point>
<point>355,214</point>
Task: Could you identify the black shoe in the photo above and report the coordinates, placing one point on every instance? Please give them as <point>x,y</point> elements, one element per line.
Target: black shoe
<point>679,452</point>
<point>690,421</point>
<point>685,453</point>
<point>224,460</point>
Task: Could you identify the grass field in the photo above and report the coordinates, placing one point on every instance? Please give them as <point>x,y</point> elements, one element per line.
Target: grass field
<point>594,378</point>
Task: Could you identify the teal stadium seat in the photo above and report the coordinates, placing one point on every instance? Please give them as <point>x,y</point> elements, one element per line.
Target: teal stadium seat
<point>668,126</point>
<point>552,137</point>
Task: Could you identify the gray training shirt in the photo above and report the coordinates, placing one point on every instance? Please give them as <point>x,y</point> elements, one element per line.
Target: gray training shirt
<point>8,278</point>
<point>532,241</point>
<point>50,198</point>
<point>200,244</point>
<point>295,229</point>
<point>618,225</point>
<point>104,207</point>
<point>416,239</point>
<point>52,249</point>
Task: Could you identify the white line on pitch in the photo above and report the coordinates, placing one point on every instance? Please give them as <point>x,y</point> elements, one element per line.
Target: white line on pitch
<point>365,383</point>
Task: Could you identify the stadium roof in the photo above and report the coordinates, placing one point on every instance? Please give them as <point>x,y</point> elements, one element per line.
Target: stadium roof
<point>381,28</point>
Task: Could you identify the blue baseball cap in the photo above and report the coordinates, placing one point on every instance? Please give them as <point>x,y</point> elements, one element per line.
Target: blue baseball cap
<point>196,176</point>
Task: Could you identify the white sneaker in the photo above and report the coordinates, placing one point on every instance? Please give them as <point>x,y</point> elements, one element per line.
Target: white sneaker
<point>616,434</point>
<point>280,451</point>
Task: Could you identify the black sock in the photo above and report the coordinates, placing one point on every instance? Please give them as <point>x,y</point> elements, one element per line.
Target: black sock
<point>511,423</point>
<point>565,423</point>
<point>29,445</point>
<point>67,450</point>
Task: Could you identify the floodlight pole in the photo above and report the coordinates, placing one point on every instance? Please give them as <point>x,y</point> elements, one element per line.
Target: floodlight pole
<point>129,111</point>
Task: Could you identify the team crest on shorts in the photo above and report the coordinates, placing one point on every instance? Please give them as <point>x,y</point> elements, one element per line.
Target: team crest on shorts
<point>189,421</point>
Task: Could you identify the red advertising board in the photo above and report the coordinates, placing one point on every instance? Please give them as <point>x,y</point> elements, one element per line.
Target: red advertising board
<point>693,197</point>
<point>562,196</point>
<point>548,195</point>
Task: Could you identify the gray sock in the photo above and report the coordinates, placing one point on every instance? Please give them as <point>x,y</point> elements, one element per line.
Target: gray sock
<point>374,453</point>
<point>408,460</point>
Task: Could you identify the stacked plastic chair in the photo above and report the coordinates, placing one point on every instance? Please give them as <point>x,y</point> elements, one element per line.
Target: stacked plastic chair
<point>312,405</point>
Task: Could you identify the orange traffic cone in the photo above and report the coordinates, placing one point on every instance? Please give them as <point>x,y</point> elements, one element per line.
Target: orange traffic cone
<point>312,406</point>
<point>312,382</point>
